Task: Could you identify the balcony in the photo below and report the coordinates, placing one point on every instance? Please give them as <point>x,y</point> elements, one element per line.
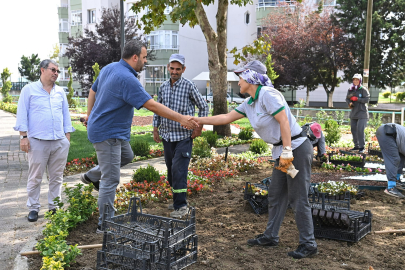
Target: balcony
<point>63,13</point>
<point>265,7</point>
<point>273,3</point>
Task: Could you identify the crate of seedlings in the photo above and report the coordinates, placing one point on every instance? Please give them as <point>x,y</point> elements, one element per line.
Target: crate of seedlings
<point>342,225</point>
<point>134,239</point>
<point>256,194</point>
<point>374,149</point>
<point>342,159</point>
<point>332,195</point>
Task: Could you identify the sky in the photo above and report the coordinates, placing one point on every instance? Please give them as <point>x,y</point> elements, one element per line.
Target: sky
<point>27,27</point>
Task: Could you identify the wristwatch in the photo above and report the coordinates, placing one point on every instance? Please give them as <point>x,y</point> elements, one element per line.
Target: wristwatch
<point>287,148</point>
<point>22,137</point>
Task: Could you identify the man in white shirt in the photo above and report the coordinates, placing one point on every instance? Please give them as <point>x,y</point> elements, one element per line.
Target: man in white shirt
<point>43,121</point>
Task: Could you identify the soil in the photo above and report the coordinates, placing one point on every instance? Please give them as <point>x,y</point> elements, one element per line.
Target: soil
<point>225,222</point>
<point>142,120</point>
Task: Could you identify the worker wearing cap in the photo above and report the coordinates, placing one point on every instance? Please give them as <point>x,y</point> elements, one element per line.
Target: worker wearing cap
<point>320,139</point>
<point>271,118</point>
<point>391,138</point>
<point>357,99</point>
<point>180,95</point>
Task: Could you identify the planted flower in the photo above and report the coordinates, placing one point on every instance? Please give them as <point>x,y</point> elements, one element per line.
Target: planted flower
<point>336,188</point>
<point>348,158</point>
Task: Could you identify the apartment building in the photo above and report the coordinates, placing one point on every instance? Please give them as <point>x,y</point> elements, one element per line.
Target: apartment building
<point>244,26</point>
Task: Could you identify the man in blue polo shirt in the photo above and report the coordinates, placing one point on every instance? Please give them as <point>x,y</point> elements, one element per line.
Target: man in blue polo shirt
<point>110,109</point>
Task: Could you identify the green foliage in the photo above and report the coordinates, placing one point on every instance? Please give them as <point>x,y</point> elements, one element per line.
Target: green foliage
<point>96,69</point>
<point>336,188</point>
<point>211,137</point>
<point>5,75</point>
<point>246,133</point>
<point>386,94</point>
<point>140,148</point>
<point>400,96</point>
<point>201,147</point>
<point>332,131</point>
<point>150,174</point>
<point>271,73</point>
<point>376,120</point>
<point>259,47</point>
<point>258,146</point>
<point>369,133</point>
<point>30,67</point>
<point>322,116</point>
<point>340,117</point>
<point>71,101</point>
<point>57,253</point>
<point>8,107</point>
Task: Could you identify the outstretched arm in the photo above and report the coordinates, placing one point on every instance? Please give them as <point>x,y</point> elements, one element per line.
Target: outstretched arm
<point>217,120</point>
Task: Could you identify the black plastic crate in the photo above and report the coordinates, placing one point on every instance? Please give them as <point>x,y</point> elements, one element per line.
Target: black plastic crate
<point>374,152</point>
<point>259,203</point>
<point>320,200</point>
<point>352,163</point>
<point>358,225</point>
<point>145,228</point>
<point>117,256</point>
<point>124,258</point>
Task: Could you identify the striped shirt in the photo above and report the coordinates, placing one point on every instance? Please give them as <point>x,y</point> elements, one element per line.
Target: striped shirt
<point>41,114</point>
<point>182,97</point>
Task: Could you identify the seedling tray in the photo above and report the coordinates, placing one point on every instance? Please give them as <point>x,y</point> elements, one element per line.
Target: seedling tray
<point>374,152</point>
<point>349,226</point>
<point>352,163</point>
<point>259,203</point>
<point>324,201</point>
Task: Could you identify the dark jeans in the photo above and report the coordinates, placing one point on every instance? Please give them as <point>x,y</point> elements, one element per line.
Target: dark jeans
<point>177,158</point>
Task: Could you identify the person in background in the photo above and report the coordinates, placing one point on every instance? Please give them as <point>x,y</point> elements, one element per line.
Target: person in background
<point>391,138</point>
<point>110,110</point>
<point>180,95</point>
<point>319,142</point>
<point>270,116</point>
<point>43,120</point>
<point>357,98</point>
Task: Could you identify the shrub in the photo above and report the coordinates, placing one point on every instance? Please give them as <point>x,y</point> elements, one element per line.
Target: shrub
<point>400,96</point>
<point>8,107</point>
<point>140,148</point>
<point>386,94</point>
<point>333,133</point>
<point>150,174</point>
<point>340,117</point>
<point>246,133</point>
<point>376,120</point>
<point>201,147</point>
<point>322,116</point>
<point>258,146</point>
<point>211,137</point>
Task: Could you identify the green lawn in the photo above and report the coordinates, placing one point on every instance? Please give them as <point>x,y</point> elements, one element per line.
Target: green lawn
<point>382,99</point>
<point>244,122</point>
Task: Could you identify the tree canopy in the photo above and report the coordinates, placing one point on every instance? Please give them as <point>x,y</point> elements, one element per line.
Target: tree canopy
<point>387,54</point>
<point>102,46</point>
<point>29,67</point>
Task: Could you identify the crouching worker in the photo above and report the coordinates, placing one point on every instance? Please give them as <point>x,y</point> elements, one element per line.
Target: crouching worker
<point>391,138</point>
<point>270,116</point>
<point>319,140</point>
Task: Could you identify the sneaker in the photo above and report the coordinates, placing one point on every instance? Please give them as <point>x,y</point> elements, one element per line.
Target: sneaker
<point>87,181</point>
<point>394,192</point>
<point>303,252</point>
<point>354,149</point>
<point>179,213</point>
<point>99,230</point>
<point>361,150</point>
<point>261,240</point>
<point>171,206</point>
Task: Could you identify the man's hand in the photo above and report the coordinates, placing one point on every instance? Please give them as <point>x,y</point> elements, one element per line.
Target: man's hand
<point>68,136</point>
<point>156,136</point>
<point>354,98</point>
<point>188,122</point>
<point>25,145</point>
<point>84,120</point>
<point>196,132</point>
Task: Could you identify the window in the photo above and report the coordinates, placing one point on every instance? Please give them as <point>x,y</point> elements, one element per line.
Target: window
<point>168,10</point>
<point>260,31</point>
<point>247,17</point>
<point>63,25</point>
<point>163,39</point>
<point>155,74</point>
<point>91,15</point>
<point>329,3</point>
<point>62,49</point>
<point>64,75</point>
<point>76,17</point>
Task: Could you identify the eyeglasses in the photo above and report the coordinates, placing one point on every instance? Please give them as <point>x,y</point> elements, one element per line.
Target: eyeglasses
<point>54,70</point>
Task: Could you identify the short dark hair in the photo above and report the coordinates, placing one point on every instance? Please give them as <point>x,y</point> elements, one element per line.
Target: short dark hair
<point>132,47</point>
<point>45,64</point>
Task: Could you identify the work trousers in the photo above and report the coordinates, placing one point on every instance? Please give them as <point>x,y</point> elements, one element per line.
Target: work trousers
<point>42,154</point>
<point>357,127</point>
<point>177,158</point>
<point>284,191</point>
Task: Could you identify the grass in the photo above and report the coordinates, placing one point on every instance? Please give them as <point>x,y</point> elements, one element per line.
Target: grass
<point>382,99</point>
<point>244,122</point>
<point>81,147</point>
<point>143,112</point>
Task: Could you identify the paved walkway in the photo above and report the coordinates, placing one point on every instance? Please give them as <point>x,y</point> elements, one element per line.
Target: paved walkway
<point>17,234</point>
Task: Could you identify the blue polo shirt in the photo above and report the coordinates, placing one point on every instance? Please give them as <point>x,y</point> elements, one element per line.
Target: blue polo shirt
<point>118,91</point>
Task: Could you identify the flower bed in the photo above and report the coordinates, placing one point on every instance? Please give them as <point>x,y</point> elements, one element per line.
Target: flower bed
<point>340,159</point>
<point>78,165</point>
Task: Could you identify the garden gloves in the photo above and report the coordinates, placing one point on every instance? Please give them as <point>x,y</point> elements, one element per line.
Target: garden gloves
<point>354,98</point>
<point>285,163</point>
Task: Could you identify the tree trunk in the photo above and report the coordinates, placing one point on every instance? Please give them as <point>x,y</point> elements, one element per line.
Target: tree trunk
<point>307,100</point>
<point>330,99</point>
<point>216,47</point>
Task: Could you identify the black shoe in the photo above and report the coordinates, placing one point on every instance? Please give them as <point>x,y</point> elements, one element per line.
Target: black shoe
<point>87,181</point>
<point>354,149</point>
<point>53,211</point>
<point>32,216</point>
<point>261,240</point>
<point>99,230</point>
<point>361,150</point>
<point>303,252</point>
